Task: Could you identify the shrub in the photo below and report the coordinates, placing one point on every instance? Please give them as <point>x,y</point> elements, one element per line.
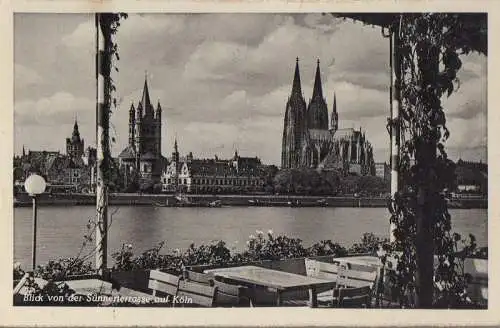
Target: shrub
<point>62,268</point>
<point>271,248</point>
<point>326,247</point>
<point>369,244</point>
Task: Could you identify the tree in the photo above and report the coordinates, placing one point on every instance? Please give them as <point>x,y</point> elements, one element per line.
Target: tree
<point>305,181</point>
<point>427,48</point>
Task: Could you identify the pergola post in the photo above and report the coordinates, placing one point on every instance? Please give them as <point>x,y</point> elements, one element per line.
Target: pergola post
<point>395,103</point>
<point>103,88</point>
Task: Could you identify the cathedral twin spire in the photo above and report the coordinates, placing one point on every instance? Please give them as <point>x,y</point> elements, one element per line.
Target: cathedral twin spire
<point>317,111</point>
<point>296,88</point>
<point>318,89</point>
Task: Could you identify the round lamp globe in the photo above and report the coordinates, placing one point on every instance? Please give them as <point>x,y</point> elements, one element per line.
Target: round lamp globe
<point>35,185</point>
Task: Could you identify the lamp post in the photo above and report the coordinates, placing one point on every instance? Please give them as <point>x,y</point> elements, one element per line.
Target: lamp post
<point>34,186</point>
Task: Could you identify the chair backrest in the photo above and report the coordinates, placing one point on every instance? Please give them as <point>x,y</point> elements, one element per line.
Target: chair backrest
<point>359,296</point>
<point>322,270</point>
<point>192,293</point>
<point>343,276</point>
<point>231,295</point>
<point>361,278</point>
<point>198,277</point>
<point>163,282</point>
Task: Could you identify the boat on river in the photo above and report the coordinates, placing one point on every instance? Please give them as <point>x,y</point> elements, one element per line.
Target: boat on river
<point>215,203</point>
<point>289,203</point>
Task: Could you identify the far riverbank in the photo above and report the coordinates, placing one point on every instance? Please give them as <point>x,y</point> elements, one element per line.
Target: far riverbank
<point>169,200</point>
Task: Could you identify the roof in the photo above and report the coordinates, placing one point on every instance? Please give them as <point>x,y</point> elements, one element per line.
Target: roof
<point>331,161</point>
<point>127,153</point>
<point>318,134</point>
<point>347,133</point>
<point>210,167</point>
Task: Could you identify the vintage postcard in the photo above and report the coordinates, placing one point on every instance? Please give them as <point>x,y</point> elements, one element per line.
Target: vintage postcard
<point>252,163</point>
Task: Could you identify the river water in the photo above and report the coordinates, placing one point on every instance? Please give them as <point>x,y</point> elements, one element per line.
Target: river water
<point>61,230</point>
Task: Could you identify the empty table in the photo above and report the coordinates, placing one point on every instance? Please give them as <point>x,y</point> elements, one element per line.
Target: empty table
<point>279,280</point>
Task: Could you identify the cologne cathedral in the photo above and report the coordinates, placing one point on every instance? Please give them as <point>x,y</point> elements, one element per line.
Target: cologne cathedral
<point>310,142</point>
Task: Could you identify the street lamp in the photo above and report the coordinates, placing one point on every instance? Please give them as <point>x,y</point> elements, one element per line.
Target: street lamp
<point>34,186</point>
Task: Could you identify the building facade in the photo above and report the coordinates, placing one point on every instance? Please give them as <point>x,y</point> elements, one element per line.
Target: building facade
<point>235,175</point>
<point>309,140</point>
<point>141,160</point>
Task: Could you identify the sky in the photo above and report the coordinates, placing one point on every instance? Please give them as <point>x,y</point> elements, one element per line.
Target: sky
<point>222,80</point>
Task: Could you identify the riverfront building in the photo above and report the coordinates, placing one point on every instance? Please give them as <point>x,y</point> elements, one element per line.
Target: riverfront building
<point>238,174</point>
<point>309,140</point>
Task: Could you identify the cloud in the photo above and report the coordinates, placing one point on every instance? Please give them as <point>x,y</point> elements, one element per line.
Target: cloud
<point>60,108</point>
<point>25,76</point>
<point>223,79</point>
<point>467,133</point>
<point>469,99</point>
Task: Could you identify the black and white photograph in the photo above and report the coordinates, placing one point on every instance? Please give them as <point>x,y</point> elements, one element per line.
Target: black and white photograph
<point>246,160</point>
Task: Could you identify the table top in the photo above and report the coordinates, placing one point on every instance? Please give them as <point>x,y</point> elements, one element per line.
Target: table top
<point>269,278</point>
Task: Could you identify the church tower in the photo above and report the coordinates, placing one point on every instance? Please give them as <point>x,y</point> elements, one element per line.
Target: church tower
<point>294,124</point>
<point>158,129</point>
<point>75,145</point>
<point>131,126</point>
<point>143,152</point>
<point>317,111</point>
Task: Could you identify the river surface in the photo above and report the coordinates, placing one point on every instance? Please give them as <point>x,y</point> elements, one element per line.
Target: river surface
<point>61,230</point>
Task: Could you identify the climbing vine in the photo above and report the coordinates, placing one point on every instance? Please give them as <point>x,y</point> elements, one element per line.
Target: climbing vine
<point>428,49</point>
<point>109,24</point>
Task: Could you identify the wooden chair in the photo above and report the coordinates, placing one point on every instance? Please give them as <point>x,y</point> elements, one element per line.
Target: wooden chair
<point>359,277</point>
<point>229,295</point>
<point>346,277</point>
<point>353,297</point>
<point>199,277</point>
<point>195,294</point>
<point>322,270</point>
<point>164,283</point>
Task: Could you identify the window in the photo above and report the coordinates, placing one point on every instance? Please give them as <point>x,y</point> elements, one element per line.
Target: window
<point>185,181</point>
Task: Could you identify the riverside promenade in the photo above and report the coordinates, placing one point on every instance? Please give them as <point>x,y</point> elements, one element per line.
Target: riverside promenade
<point>202,200</point>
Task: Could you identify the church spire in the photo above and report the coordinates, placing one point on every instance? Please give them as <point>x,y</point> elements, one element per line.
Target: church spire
<point>334,102</point>
<point>175,153</point>
<point>334,120</point>
<point>296,88</point>
<point>145,100</point>
<point>76,133</point>
<point>318,89</point>
<point>24,152</point>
